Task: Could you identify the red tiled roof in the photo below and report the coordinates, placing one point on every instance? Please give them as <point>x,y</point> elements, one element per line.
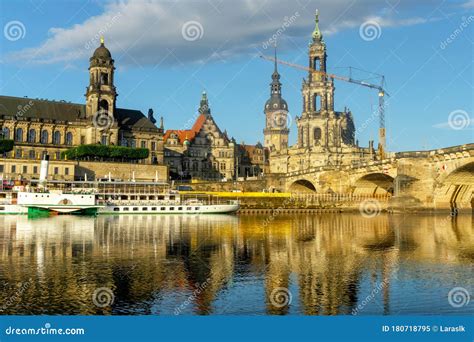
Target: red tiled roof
<point>190,134</point>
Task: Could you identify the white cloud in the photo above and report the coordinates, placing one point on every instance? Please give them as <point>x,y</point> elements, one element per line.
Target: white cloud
<point>147,32</point>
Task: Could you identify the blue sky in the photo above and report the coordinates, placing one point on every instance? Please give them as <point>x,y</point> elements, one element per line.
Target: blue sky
<point>424,48</point>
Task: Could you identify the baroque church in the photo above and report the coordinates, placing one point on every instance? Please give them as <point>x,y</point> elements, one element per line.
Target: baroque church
<point>325,137</point>
<point>39,126</point>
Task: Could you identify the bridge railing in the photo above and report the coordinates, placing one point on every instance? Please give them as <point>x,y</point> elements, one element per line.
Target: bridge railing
<point>337,198</point>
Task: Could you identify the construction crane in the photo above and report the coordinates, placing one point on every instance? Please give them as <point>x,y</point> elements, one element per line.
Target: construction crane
<point>379,88</point>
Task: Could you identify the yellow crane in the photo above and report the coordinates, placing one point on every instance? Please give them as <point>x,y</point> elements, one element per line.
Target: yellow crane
<point>381,94</point>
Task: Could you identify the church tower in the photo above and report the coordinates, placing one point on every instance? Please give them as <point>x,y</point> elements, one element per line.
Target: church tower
<point>276,114</point>
<point>101,94</point>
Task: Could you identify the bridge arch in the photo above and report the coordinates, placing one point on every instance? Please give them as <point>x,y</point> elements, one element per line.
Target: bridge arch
<point>457,189</point>
<point>302,185</point>
<point>376,183</point>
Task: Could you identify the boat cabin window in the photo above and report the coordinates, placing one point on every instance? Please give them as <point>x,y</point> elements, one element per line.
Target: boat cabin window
<point>117,209</point>
<point>2,208</point>
<point>196,208</point>
<point>171,208</point>
<point>135,209</point>
<point>180,208</point>
<point>143,197</point>
<point>153,208</point>
<point>161,197</point>
<point>189,208</point>
<point>162,208</point>
<point>126,209</point>
<point>144,208</point>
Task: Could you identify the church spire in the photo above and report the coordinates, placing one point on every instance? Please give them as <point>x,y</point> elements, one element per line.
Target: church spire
<point>204,105</point>
<point>275,86</point>
<point>317,35</point>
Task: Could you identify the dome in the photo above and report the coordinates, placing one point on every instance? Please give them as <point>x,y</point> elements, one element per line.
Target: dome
<point>102,52</point>
<point>276,103</point>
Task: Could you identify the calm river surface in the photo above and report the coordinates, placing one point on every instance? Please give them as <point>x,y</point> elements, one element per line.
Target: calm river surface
<point>311,264</point>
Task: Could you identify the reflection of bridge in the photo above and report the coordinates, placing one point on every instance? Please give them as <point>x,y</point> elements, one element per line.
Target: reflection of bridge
<point>440,179</point>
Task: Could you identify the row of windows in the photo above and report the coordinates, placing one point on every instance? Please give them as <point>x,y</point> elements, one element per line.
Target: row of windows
<point>31,136</point>
<point>133,143</point>
<point>24,169</point>
<point>155,208</point>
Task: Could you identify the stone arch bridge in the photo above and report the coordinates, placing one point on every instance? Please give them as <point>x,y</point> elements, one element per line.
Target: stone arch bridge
<point>436,179</point>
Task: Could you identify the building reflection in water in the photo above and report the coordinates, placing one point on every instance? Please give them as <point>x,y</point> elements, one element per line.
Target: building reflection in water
<point>231,265</point>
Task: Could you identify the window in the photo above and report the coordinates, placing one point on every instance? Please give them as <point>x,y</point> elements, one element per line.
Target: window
<point>103,140</point>
<point>56,138</point>
<point>13,168</point>
<point>32,136</point>
<point>83,140</point>
<point>153,208</point>
<point>135,209</point>
<point>162,208</point>
<point>317,63</point>
<point>317,135</point>
<point>126,208</point>
<point>104,78</point>
<point>58,155</point>
<point>66,171</point>
<point>143,144</point>
<point>35,169</point>
<point>144,208</point>
<point>133,143</point>
<point>68,138</point>
<point>56,170</point>
<point>180,208</point>
<point>171,208</point>
<point>153,146</point>
<point>317,102</point>
<point>44,136</point>
<point>6,133</point>
<point>25,169</point>
<point>18,153</point>
<point>2,168</point>
<point>19,134</point>
<point>116,209</point>
<point>189,208</point>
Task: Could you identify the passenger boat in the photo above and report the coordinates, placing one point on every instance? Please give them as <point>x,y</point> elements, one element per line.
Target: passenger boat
<point>106,197</point>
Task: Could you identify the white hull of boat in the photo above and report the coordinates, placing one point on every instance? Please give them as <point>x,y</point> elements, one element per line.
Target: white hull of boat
<point>170,209</point>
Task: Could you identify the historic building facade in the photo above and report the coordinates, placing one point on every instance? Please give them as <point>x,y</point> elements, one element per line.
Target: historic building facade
<point>205,152</point>
<point>325,137</point>
<point>40,126</point>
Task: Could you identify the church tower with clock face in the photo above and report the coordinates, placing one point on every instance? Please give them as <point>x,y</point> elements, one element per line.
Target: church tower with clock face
<point>277,118</point>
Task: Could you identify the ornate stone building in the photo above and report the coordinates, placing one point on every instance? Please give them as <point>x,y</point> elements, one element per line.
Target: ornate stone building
<point>40,126</point>
<point>325,137</point>
<point>203,152</point>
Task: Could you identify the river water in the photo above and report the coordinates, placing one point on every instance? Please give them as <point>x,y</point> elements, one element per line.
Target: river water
<point>310,264</point>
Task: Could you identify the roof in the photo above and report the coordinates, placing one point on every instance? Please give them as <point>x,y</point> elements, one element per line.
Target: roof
<point>189,134</point>
<point>66,111</point>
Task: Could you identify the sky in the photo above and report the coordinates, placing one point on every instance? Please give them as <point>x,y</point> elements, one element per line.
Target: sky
<point>167,52</point>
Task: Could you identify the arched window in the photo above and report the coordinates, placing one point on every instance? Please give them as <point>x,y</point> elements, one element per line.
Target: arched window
<point>316,63</point>
<point>317,135</point>
<point>68,138</point>
<point>32,136</point>
<point>44,136</point>
<point>19,134</point>
<point>104,105</point>
<point>56,138</point>
<point>316,102</point>
<point>103,139</point>
<point>6,133</point>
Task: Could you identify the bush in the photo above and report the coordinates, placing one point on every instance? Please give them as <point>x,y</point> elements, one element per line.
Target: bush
<point>104,152</point>
<point>6,145</point>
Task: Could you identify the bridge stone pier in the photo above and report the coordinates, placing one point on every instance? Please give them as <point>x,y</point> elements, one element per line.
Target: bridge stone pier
<point>436,179</point>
